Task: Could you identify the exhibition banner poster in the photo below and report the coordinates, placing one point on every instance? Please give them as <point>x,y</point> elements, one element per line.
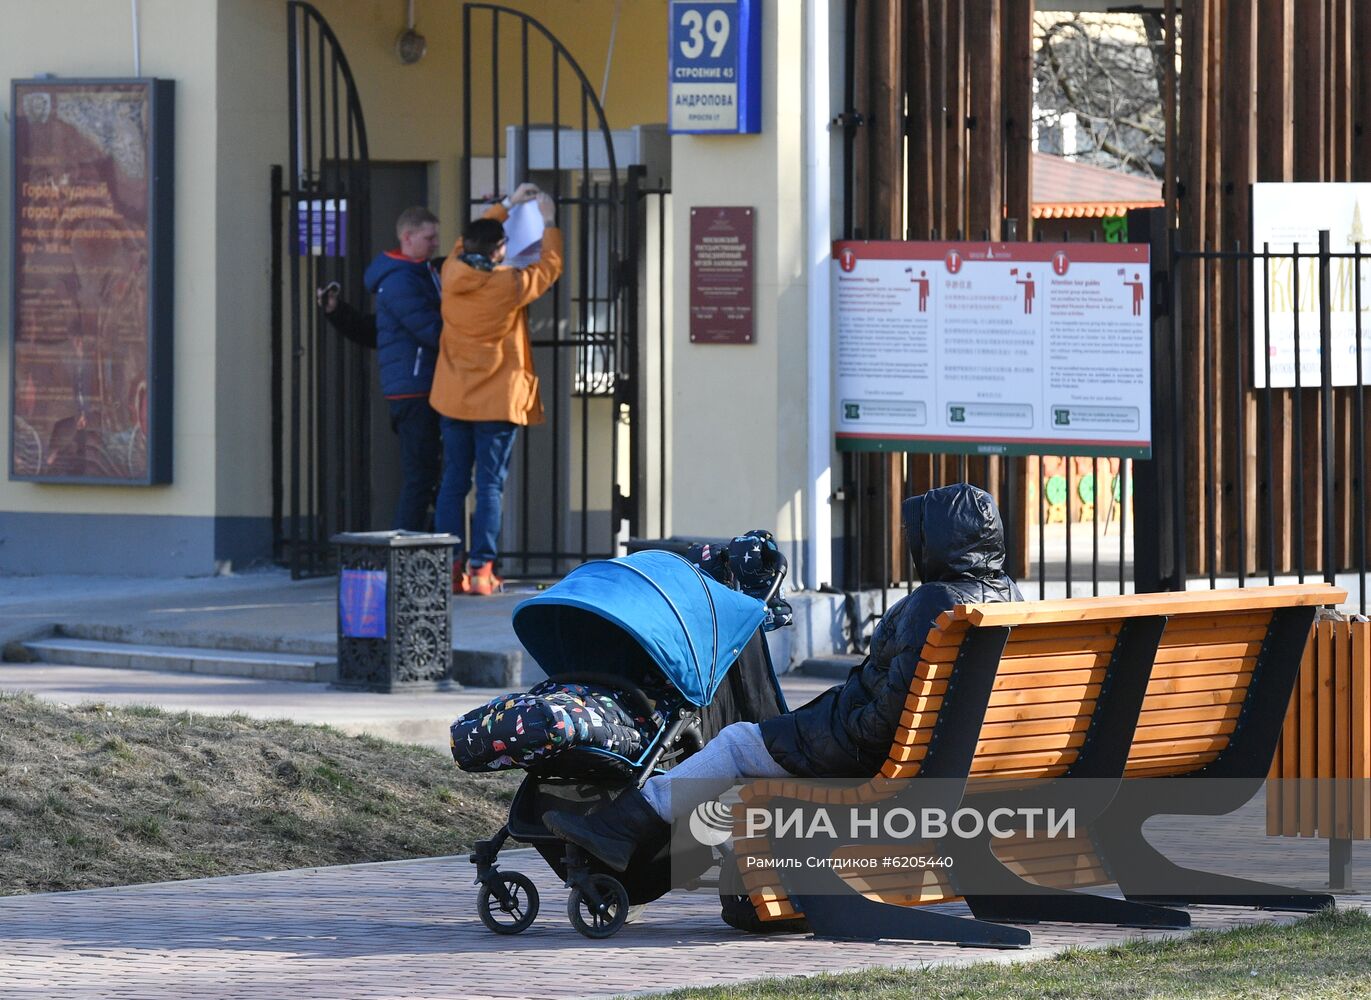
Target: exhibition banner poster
<point>993,348</point>
<point>1285,289</point>
<point>91,216</point>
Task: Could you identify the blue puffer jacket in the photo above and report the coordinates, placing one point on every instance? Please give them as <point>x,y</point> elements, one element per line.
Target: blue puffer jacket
<point>408,322</point>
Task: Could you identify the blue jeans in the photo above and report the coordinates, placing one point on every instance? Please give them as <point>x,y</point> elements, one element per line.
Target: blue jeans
<point>415,423</point>
<point>486,444</point>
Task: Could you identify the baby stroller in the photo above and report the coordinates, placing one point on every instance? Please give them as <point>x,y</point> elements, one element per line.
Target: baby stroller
<point>684,656</point>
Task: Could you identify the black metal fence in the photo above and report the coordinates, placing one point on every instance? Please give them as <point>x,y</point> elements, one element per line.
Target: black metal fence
<point>1260,467</point>
<point>320,219</point>
<point>539,119</point>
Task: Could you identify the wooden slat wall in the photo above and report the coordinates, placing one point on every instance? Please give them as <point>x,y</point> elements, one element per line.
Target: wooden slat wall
<point>962,165</point>
<point>1322,767</point>
<point>1283,94</point>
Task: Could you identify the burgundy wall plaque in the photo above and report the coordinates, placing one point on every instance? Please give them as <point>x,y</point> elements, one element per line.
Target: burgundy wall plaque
<point>721,291</point>
<point>91,295</point>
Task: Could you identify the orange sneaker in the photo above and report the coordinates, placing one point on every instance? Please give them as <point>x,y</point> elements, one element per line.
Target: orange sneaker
<point>484,582</point>
<point>461,582</point>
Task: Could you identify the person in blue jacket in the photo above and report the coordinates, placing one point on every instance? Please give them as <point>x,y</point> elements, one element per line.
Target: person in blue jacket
<point>408,324</point>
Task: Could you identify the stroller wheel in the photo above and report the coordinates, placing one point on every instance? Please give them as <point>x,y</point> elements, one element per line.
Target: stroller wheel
<point>507,903</point>
<point>602,918</point>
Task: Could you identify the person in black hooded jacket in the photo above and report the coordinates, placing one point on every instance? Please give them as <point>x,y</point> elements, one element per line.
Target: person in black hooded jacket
<point>956,538</point>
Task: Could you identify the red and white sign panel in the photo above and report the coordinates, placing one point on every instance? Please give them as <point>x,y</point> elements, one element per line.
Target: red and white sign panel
<point>993,348</point>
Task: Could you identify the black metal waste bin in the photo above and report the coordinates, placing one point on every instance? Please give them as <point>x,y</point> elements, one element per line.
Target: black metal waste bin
<point>394,595</point>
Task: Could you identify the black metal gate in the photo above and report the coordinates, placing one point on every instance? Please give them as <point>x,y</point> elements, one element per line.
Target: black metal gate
<point>319,382</point>
<point>530,113</point>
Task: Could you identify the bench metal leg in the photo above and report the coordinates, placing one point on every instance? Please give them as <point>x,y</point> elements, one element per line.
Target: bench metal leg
<point>853,917</point>
<point>835,910</point>
<point>994,892</point>
<point>1148,876</point>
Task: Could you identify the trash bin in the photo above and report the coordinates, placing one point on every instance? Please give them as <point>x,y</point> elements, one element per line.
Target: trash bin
<point>394,595</point>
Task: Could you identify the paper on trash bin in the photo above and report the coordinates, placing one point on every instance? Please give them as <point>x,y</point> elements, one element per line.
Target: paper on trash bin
<point>524,233</point>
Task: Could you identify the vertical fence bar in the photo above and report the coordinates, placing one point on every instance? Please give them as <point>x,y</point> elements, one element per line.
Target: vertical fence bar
<point>1297,433</point>
<point>661,364</point>
<point>1066,517</point>
<point>1095,526</point>
<point>464,199</point>
<point>1330,545</point>
<point>293,70</point>
<point>1042,533</point>
<point>1239,413</point>
<point>557,338</point>
<point>525,500</point>
<point>1121,484</point>
<point>494,51</point>
<point>1270,492</point>
<point>585,268</point>
<point>1359,439</point>
<point>1211,464</point>
<point>277,364</point>
<point>1180,541</point>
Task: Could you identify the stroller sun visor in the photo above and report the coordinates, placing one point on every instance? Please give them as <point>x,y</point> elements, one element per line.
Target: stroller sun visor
<point>604,614</point>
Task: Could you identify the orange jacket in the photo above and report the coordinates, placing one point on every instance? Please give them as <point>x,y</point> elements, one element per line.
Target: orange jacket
<point>485,363</point>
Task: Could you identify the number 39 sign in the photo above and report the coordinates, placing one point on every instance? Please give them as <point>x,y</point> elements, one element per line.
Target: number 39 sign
<point>715,66</point>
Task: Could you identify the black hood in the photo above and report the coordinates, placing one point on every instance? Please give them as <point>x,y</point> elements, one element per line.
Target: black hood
<point>954,533</point>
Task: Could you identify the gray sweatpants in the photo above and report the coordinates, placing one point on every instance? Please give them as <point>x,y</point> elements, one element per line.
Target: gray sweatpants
<point>736,755</point>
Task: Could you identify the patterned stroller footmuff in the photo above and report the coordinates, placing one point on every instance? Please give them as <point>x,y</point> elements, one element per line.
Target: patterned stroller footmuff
<point>527,730</point>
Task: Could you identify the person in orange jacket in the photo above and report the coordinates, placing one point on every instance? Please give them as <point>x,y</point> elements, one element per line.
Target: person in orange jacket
<point>484,386</point>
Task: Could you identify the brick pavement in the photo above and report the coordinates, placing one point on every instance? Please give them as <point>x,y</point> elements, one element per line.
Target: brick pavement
<point>409,929</point>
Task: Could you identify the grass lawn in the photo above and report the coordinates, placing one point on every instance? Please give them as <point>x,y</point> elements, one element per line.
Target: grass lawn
<point>1326,957</point>
<point>96,796</point>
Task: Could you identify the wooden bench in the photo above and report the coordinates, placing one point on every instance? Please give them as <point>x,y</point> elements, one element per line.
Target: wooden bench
<point>1012,700</point>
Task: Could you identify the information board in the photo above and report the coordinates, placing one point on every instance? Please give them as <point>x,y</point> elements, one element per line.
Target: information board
<point>993,348</point>
<point>714,67</point>
<point>1284,215</point>
<point>721,286</point>
<point>90,368</point>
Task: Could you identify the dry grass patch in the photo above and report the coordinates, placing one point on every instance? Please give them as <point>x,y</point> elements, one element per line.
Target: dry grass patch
<point>96,796</point>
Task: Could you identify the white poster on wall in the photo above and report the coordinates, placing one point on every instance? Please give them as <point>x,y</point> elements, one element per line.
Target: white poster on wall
<point>999,349</point>
<point>1286,218</point>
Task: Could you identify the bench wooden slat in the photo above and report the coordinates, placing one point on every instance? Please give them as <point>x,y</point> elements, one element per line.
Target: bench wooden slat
<point>1152,733</point>
<point>1192,699</point>
<point>1323,692</point>
<point>1020,744</point>
<point>1017,648</point>
<point>1204,668</point>
<point>1308,695</point>
<point>1054,662</point>
<point>1143,749</point>
<point>1211,651</point>
<point>1048,710</point>
<point>1052,679</point>
<point>1201,714</point>
<point>1070,694</point>
<point>1086,609</point>
<point>1036,727</point>
<point>1020,761</point>
<point>1186,685</point>
<point>1218,630</point>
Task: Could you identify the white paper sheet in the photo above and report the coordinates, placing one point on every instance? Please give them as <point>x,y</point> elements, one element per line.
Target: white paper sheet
<point>524,231</point>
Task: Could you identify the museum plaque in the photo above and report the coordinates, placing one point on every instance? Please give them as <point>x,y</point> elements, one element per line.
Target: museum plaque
<point>721,290</point>
<point>91,292</point>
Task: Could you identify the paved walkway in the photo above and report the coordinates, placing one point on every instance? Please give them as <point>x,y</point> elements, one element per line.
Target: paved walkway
<point>409,929</point>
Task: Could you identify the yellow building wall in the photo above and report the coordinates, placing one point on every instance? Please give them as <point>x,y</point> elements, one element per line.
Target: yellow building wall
<point>749,430</point>
<point>228,59</point>
<point>94,38</point>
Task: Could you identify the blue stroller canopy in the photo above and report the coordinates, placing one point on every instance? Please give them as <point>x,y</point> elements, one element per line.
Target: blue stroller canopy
<point>691,627</point>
